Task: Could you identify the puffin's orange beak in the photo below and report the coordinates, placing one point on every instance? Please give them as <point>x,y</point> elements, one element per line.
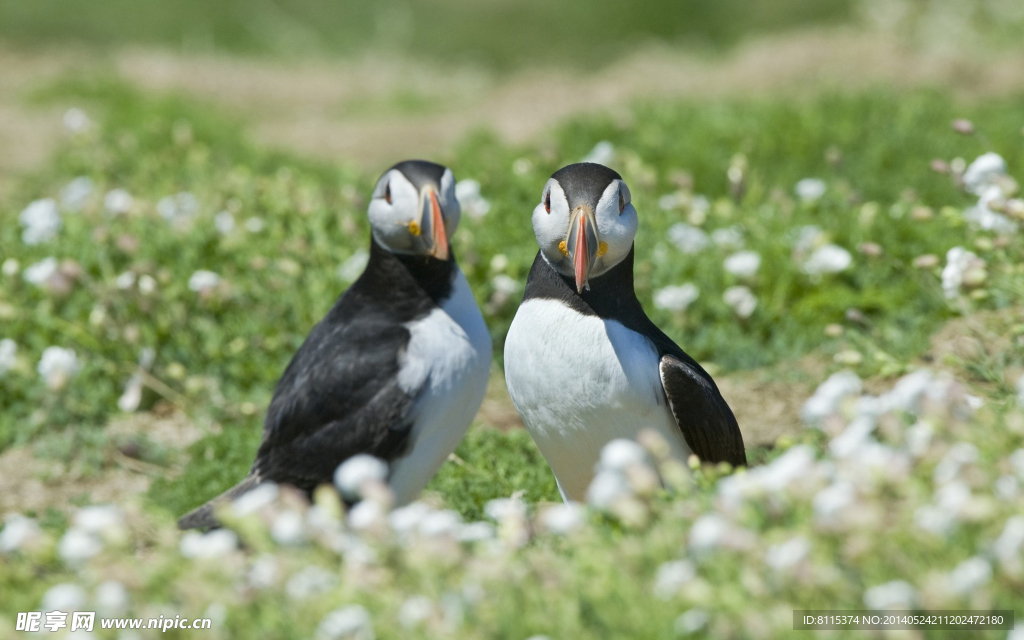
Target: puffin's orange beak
<point>582,244</point>
<point>433,221</point>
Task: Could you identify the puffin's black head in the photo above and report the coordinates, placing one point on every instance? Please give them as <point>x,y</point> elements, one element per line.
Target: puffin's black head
<point>585,222</point>
<point>414,209</point>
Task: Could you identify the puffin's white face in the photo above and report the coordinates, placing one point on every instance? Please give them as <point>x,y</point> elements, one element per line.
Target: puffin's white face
<point>585,222</point>
<point>414,209</point>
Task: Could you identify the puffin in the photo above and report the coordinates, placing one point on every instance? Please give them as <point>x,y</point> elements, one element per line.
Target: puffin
<point>584,365</point>
<point>398,367</point>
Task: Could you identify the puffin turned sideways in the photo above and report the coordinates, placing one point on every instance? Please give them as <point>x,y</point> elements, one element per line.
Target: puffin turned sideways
<point>583,362</point>
<point>396,369</point>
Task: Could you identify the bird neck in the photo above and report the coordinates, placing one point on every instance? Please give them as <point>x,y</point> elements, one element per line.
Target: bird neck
<point>610,295</point>
<point>386,269</point>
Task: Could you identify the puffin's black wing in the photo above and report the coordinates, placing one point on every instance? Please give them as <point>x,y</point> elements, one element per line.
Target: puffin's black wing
<point>339,396</point>
<point>701,412</point>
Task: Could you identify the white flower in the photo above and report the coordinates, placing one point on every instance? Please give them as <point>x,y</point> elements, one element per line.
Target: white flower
<point>404,520</point>
<point>8,355</point>
<point>741,299</point>
<point>562,519</point>
<point>125,280</point>
<point>75,194</point>
<point>41,221</point>
<point>691,622</point>
<point>957,456</point>
<point>808,238</point>
<point>829,394</point>
<point>1017,462</point>
<point>350,623</point>
<point>787,554</point>
<point>505,509</point>
<point>263,572</point>
<point>620,454</point>
<point>224,222</point>
<point>254,224</point>
<point>708,532</point>
<point>476,532</point>
<point>41,272</point>
<point>147,284</point>
<point>99,518</point>
<point>1011,541</point>
<point>354,473</point>
<point>309,582</point>
<point>687,238</point>
<point>415,610</point>
<point>670,201</point>
<point>203,280</point>
<point>985,170</point>
<point>934,519</point>
<point>118,201</point>
<point>830,258</point>
<point>854,437</point>
<point>214,544</point>
<point>467,192</point>
<point>671,577</point>
<point>10,267</point>
<point>676,298</point>
<point>982,216</point>
<point>354,266</point>
<point>132,396</point>
<point>504,284</point>
<point>180,205</point>
<point>17,531</point>
<point>771,478</point>
<point>77,546</point>
<point>57,366</point>
<point>289,528</point>
<point>606,488</point>
<point>743,264</point>
<point>444,522</point>
<point>728,238</point>
<point>75,120</point>
<point>602,153</point>
<point>1006,487</point>
<point>970,575</point>
<point>63,597</point>
<point>895,594</point>
<point>255,499</point>
<point>810,189</point>
<point>111,598</point>
<point>366,514</point>
<point>832,500</point>
<point>958,262</point>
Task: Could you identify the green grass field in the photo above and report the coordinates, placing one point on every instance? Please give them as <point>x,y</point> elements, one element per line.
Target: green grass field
<point>731,167</point>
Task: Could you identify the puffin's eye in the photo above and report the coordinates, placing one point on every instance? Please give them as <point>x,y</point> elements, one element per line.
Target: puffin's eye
<point>547,202</point>
<point>387,193</point>
<point>622,201</point>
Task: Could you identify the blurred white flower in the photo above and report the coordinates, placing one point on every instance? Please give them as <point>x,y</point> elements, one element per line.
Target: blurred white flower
<point>787,554</point>
<point>354,473</point>
<point>476,532</point>
<point>960,454</point>
<point>213,544</point>
<point>741,299</point>
<point>670,201</point>
<point>830,258</point>
<point>118,201</point>
<point>687,238</point>
<point>854,437</point>
<point>41,272</point>
<point>691,622</point>
<point>252,501</point>
<point>63,597</point>
<point>743,264</point>
<point>407,519</point>
<point>367,514</point>
<point>1017,462</point>
<point>125,281</point>
<point>76,193</point>
<point>111,598</point>
<point>934,520</point>
<point>17,531</point>
<point>897,594</point>
<point>57,366</point>
<point>77,546</point>
<point>970,575</point>
<point>606,488</point>
<point>505,508</point>
<point>833,500</point>
<point>224,222</point>
<point>354,266</point>
<point>620,454</point>
<point>10,267</point>
<point>1006,487</point>
<point>41,221</point>
<point>829,394</point>
<point>676,297</point>
<point>98,519</point>
<point>562,519</point>
<point>75,120</point>
<point>147,284</point>
<point>1010,543</point>
<point>808,238</point>
<point>254,224</point>
<point>602,153</point>
<point>288,528</point>
<point>349,623</point>
<point>729,238</point>
<point>8,355</point>
<point>441,523</point>
<point>414,611</point>
<point>983,216</point>
<point>504,284</point>
<point>810,189</point>
<point>203,280</point>
<point>984,171</point>
<point>708,531</point>
<point>263,573</point>
<point>671,577</point>
<point>310,582</point>
<point>180,205</point>
<point>468,194</point>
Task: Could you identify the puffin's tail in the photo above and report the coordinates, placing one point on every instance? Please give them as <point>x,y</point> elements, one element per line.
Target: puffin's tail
<point>203,517</point>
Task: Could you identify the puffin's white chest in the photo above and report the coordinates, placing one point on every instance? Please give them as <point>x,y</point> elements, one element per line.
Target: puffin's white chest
<point>447,362</point>
<point>580,381</point>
